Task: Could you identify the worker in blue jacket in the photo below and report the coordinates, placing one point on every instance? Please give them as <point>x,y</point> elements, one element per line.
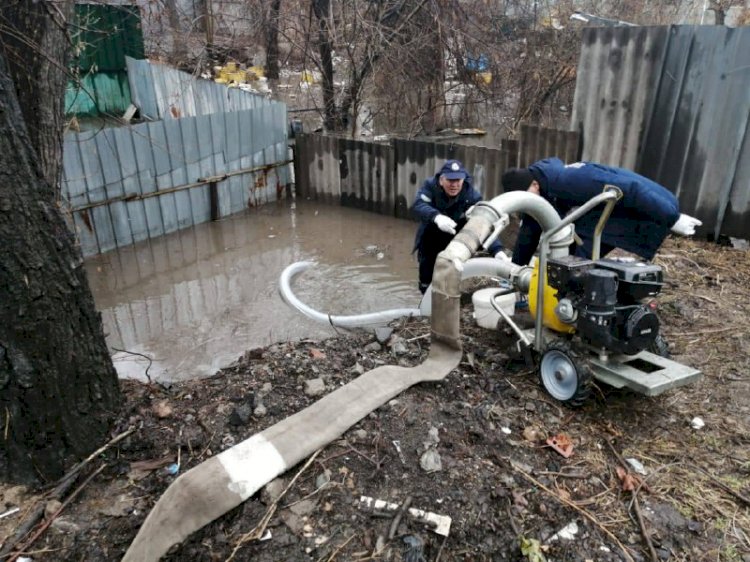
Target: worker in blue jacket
<point>440,205</point>
<point>638,224</point>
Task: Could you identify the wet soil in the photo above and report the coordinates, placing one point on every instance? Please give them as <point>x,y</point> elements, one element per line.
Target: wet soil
<point>508,494</point>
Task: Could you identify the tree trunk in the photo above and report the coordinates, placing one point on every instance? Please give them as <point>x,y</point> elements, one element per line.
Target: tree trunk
<point>272,40</point>
<point>179,54</point>
<point>58,388</point>
<point>34,38</point>
<point>325,49</point>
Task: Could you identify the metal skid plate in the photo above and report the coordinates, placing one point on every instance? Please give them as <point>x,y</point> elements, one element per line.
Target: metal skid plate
<point>645,373</point>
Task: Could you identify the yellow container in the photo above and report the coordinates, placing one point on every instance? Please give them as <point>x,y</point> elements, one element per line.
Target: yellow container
<point>255,72</point>
<point>485,77</point>
<point>549,318</point>
<point>238,76</point>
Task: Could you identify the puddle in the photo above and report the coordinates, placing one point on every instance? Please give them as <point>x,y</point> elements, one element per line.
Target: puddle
<point>187,304</point>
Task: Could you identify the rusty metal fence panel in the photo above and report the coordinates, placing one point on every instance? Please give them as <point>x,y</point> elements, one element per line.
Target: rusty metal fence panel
<point>673,103</point>
<point>123,185</point>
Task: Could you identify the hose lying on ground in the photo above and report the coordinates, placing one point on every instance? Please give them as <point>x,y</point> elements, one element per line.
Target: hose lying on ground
<point>212,488</point>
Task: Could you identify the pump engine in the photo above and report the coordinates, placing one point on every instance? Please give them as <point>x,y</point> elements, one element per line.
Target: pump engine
<point>607,301</point>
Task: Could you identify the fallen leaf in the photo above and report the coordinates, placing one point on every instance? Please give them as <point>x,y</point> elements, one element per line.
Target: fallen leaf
<point>518,498</point>
<point>532,550</point>
<point>317,354</point>
<point>162,409</point>
<point>532,434</point>
<point>630,481</point>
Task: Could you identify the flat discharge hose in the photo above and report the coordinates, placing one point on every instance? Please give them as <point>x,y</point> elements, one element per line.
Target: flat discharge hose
<point>221,483</point>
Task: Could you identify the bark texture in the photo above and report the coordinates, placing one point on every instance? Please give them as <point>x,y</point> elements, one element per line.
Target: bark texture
<point>35,41</point>
<point>58,388</point>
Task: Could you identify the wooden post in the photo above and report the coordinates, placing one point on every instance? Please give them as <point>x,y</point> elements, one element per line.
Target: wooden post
<point>213,194</point>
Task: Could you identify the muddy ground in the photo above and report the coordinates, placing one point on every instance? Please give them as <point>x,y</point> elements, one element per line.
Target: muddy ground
<point>472,447</point>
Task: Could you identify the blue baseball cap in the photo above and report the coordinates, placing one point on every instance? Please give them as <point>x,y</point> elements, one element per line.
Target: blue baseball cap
<point>453,170</point>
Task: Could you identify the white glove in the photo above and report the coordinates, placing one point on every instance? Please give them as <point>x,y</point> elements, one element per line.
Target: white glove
<point>502,256</point>
<point>685,225</point>
<point>446,224</point>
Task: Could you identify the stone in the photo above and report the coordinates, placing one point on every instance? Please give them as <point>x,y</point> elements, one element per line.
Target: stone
<point>241,415</point>
<point>315,387</point>
<point>430,461</point>
<point>382,333</point>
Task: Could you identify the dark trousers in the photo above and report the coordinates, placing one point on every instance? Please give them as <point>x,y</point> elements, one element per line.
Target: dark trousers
<point>432,243</point>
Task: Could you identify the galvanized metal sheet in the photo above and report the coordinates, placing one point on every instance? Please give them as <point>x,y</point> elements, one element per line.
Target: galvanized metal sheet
<point>115,167</point>
<point>136,215</point>
<point>162,92</point>
<point>385,178</point>
<point>686,123</point>
<point>615,90</point>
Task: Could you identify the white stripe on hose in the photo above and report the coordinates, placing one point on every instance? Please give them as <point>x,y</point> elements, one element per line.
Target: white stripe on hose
<point>251,464</point>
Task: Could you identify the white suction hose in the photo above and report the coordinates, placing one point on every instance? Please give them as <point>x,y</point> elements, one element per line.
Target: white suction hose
<point>350,321</point>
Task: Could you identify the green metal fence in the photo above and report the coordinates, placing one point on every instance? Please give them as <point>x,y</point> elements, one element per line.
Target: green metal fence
<point>103,36</point>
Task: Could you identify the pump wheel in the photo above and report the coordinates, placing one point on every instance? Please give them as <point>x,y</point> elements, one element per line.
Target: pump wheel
<point>660,347</point>
<point>565,375</point>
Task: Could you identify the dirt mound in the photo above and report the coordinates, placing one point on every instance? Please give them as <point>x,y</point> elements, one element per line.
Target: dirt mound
<point>471,448</point>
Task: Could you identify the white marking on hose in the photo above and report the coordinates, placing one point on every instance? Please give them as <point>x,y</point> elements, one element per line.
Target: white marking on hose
<point>251,464</point>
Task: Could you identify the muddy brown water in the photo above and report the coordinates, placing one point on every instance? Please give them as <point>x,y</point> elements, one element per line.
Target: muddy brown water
<point>187,304</point>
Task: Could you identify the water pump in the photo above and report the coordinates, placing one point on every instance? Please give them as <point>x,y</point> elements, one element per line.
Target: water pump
<point>608,301</point>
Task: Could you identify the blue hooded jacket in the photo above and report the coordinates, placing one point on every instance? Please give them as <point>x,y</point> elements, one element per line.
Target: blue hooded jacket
<point>639,221</point>
<point>431,200</point>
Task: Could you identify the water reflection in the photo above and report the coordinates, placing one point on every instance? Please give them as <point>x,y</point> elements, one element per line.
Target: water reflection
<point>193,301</point>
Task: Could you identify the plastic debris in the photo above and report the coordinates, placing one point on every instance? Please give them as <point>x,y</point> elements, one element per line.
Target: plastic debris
<point>414,550</point>
<point>9,512</point>
<point>636,465</point>
<point>173,468</point>
<point>397,444</point>
<point>697,423</point>
<point>568,532</point>
<point>440,524</point>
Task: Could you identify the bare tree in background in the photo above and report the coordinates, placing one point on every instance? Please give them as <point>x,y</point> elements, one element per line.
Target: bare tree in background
<point>365,31</point>
<point>272,40</point>
<point>721,7</point>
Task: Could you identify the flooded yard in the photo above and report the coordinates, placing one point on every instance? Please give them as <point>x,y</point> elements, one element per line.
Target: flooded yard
<point>186,304</point>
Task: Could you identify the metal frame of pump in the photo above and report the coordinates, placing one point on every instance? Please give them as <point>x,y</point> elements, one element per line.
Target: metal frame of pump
<point>614,369</point>
<point>611,195</point>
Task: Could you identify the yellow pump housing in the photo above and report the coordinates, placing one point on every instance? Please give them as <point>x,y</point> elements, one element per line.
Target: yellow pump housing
<point>549,318</point>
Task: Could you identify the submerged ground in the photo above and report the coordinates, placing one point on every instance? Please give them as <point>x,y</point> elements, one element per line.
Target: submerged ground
<point>470,447</point>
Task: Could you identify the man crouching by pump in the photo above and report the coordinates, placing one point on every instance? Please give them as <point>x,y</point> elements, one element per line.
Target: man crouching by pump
<point>440,205</point>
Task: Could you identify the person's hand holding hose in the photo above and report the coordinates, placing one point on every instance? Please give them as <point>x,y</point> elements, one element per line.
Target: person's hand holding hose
<point>446,224</point>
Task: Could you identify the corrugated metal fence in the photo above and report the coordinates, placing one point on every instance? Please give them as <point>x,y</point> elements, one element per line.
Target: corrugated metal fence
<point>673,103</point>
<point>384,178</point>
<point>103,35</point>
<point>128,184</point>
<point>162,92</point>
